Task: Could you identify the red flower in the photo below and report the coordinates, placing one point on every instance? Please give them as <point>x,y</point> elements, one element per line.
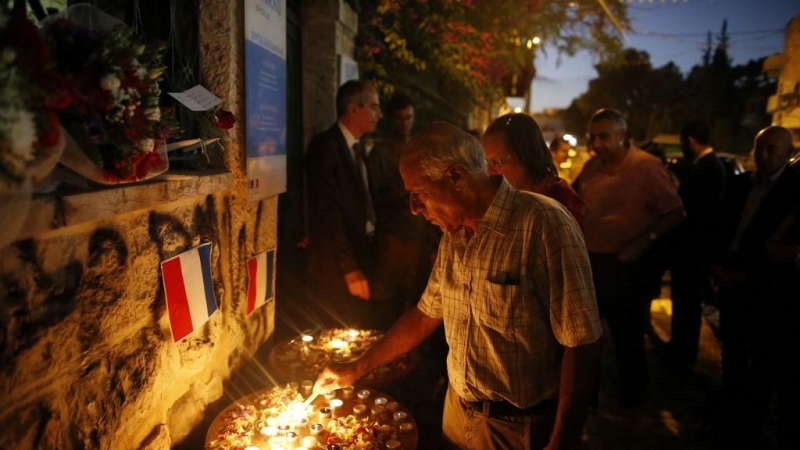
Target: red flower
<point>49,132</point>
<point>224,119</point>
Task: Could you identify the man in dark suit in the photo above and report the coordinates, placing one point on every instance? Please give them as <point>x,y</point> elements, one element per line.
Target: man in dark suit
<point>701,191</point>
<point>757,318</point>
<point>341,213</point>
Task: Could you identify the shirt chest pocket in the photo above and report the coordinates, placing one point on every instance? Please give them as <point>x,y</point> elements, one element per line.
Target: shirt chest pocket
<point>505,308</point>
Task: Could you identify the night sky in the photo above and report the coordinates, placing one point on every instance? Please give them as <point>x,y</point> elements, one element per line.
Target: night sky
<point>673,30</point>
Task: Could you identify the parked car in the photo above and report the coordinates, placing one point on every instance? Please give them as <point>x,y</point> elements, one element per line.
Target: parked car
<point>667,147</point>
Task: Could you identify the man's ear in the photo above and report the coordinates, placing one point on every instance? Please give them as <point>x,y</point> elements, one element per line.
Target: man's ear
<point>457,176</point>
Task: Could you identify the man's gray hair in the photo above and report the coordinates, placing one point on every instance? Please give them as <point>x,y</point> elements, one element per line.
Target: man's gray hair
<point>610,114</point>
<point>441,145</point>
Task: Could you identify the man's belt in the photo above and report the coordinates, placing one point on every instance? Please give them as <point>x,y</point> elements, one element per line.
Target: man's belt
<point>504,408</point>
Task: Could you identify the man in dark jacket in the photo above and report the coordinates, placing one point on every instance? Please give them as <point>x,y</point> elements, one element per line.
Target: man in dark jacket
<point>757,317</point>
<point>341,212</point>
<point>701,191</point>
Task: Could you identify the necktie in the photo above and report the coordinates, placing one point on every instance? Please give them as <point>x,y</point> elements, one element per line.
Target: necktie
<point>361,165</point>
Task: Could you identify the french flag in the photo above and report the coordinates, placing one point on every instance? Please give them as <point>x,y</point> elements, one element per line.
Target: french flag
<point>259,280</point>
<point>190,292</point>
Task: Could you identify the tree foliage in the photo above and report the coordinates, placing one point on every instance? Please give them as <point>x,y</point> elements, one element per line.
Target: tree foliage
<point>659,100</point>
<point>457,52</point>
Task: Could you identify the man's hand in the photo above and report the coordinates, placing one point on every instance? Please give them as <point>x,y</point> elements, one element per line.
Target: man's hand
<point>336,376</point>
<point>633,249</point>
<point>357,284</point>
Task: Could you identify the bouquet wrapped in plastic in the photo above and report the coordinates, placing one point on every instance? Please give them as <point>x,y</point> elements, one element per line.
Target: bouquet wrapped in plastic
<point>116,132</point>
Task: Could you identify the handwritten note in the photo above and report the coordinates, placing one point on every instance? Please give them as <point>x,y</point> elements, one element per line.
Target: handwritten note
<point>197,98</point>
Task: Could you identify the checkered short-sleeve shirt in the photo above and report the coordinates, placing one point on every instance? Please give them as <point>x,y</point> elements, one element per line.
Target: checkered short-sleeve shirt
<point>511,297</point>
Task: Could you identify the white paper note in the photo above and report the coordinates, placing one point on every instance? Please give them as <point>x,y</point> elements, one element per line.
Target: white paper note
<point>197,98</point>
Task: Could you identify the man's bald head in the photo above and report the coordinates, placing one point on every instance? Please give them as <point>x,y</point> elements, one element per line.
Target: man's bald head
<point>772,149</point>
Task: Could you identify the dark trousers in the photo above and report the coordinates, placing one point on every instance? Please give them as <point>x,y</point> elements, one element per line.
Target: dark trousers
<point>688,287</point>
<point>621,291</point>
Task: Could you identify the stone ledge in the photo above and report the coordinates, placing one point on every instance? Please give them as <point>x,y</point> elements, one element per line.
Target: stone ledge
<point>71,208</point>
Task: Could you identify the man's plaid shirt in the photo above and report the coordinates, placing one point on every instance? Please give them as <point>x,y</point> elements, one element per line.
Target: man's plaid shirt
<point>511,297</point>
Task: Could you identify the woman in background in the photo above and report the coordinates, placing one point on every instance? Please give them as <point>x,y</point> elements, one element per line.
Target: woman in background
<point>515,147</point>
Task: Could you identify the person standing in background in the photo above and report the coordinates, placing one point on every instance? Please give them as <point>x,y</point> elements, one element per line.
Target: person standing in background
<point>341,212</point>
<point>405,242</point>
<point>758,295</point>
<point>515,147</point>
<point>691,243</point>
<point>559,148</point>
<point>630,204</point>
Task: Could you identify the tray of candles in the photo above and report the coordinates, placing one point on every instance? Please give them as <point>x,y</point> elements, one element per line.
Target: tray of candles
<point>285,418</point>
<point>304,356</point>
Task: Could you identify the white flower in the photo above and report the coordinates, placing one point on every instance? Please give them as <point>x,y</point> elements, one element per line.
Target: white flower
<point>18,130</point>
<point>153,114</point>
<point>110,82</point>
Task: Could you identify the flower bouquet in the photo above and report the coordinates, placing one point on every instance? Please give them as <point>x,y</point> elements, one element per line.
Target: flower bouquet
<point>31,141</point>
<point>116,133</point>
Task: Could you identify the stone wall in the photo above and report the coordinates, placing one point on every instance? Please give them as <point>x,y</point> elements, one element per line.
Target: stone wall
<point>86,351</point>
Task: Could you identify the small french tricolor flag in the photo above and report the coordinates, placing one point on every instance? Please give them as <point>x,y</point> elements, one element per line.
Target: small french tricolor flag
<point>190,292</point>
<point>259,280</point>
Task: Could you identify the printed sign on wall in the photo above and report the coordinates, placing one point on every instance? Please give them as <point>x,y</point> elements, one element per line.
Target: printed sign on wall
<point>265,97</point>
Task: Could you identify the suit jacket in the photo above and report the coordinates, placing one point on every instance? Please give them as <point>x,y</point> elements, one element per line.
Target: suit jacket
<point>337,213</point>
<point>780,201</point>
<point>701,192</point>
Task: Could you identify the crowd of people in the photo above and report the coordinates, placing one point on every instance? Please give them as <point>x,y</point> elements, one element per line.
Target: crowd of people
<point>518,264</point>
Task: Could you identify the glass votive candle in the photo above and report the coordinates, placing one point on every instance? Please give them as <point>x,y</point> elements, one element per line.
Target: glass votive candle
<point>406,427</point>
<point>347,391</point>
<point>330,395</point>
<point>317,428</point>
<point>269,432</point>
<point>380,401</point>
<point>336,406</point>
<point>309,442</point>
<point>363,394</point>
<point>393,444</point>
<point>300,423</point>
<point>306,386</point>
<point>392,406</point>
<point>359,408</point>
<point>377,410</point>
<point>292,438</point>
<point>325,413</point>
<point>400,415</point>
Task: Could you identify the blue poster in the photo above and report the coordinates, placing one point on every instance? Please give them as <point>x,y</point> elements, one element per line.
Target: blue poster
<point>265,97</point>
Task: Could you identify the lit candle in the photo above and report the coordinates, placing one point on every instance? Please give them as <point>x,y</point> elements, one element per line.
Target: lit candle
<point>269,431</point>
<point>306,386</point>
<point>393,444</point>
<point>400,415</point>
<point>392,406</point>
<point>275,442</point>
<point>317,428</point>
<point>291,438</point>
<point>336,403</point>
<point>330,395</point>
<point>352,335</point>
<point>405,427</point>
<point>359,409</point>
<point>347,391</point>
<point>324,413</point>
<point>380,401</point>
<point>377,410</point>
<point>363,394</point>
<point>309,442</point>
